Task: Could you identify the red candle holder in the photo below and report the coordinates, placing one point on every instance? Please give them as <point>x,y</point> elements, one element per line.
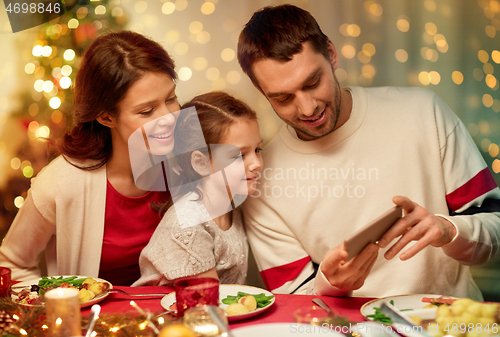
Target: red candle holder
<point>5,281</point>
<point>194,292</point>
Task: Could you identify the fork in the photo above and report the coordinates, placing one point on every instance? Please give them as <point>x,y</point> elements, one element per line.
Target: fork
<point>119,291</point>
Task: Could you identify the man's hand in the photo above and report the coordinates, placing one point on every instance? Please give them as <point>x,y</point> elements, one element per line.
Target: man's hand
<point>416,225</point>
<point>348,275</point>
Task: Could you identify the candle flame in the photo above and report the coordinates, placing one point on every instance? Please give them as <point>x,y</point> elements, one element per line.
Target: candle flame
<point>93,334</point>
<point>59,321</point>
<point>23,332</point>
<point>114,329</point>
<point>44,327</point>
<point>161,320</point>
<point>15,317</point>
<point>143,325</point>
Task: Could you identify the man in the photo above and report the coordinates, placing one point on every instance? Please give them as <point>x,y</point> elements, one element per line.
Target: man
<point>345,156</point>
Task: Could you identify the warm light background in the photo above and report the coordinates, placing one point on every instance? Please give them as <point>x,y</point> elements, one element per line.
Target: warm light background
<point>448,46</point>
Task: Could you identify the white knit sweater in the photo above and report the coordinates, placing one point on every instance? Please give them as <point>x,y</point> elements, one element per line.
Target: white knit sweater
<point>398,141</point>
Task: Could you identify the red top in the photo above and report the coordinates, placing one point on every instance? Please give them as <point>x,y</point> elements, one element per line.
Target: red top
<point>128,226</point>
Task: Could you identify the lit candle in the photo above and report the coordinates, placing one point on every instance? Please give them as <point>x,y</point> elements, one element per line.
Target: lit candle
<point>63,312</point>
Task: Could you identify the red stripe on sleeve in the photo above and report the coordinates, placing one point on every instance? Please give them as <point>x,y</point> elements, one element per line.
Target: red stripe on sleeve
<point>480,184</point>
<point>277,276</point>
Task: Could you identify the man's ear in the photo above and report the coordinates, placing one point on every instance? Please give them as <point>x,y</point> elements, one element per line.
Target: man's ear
<point>332,52</point>
<point>201,163</point>
<point>106,119</point>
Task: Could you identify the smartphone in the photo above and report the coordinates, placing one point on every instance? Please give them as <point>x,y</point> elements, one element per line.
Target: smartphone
<point>372,232</point>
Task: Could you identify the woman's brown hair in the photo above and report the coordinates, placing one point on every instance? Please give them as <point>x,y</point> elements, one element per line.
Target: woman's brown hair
<point>109,67</point>
<point>216,111</point>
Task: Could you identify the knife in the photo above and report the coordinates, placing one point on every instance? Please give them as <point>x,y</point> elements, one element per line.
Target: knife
<point>398,317</point>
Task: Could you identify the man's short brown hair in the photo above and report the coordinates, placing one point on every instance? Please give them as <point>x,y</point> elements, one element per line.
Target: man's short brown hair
<point>278,33</point>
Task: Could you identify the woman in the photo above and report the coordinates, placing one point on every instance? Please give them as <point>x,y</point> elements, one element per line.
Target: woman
<point>84,210</point>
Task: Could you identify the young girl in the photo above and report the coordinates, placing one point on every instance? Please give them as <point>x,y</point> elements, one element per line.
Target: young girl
<point>84,210</point>
<point>216,247</point>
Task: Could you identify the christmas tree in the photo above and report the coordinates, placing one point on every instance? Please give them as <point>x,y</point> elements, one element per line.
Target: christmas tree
<point>44,109</point>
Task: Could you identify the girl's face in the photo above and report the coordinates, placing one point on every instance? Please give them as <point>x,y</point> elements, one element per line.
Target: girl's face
<point>151,105</point>
<point>246,136</point>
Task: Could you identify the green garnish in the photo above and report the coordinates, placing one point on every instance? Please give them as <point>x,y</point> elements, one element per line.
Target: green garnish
<point>261,299</point>
<point>379,316</point>
<point>53,282</point>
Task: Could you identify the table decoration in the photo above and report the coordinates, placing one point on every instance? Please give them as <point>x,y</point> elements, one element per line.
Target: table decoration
<point>192,292</point>
<point>5,282</point>
<point>31,321</point>
<point>200,321</point>
<point>63,312</point>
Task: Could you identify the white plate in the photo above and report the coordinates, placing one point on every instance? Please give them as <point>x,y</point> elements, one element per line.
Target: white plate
<point>283,330</point>
<point>28,284</point>
<point>402,302</point>
<point>224,291</point>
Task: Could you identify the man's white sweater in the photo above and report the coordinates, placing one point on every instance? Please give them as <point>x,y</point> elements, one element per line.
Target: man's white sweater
<point>398,141</point>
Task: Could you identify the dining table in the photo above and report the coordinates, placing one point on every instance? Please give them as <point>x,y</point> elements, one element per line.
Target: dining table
<point>280,312</point>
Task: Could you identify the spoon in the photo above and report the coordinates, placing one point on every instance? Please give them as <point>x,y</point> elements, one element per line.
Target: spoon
<point>94,315</point>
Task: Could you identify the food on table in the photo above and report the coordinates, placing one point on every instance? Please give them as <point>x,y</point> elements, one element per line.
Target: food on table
<point>236,309</point>
<point>466,318</point>
<point>249,302</point>
<point>438,301</point>
<point>89,288</point>
<point>244,300</point>
<point>176,330</point>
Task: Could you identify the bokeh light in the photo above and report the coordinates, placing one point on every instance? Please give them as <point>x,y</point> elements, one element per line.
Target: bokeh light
<point>29,68</point>
<point>233,77</point>
<point>496,166</point>
<point>185,73</point>
<point>37,51</point>
<point>203,37</point>
<point>207,8</point>
<point>168,8</point>
<point>18,202</point>
<point>493,150</point>
<point>195,27</point>
<point>348,51</point>
<point>228,54</point>
<point>69,54</point>
<point>401,55</point>
<point>200,63</point>
<point>487,100</point>
<point>55,102</point>
<point>457,77</point>
<point>65,82</point>
<point>212,73</point>
<point>73,23</point>
<point>181,48</point>
<point>181,5</point>
<point>101,10</point>
<point>403,24</point>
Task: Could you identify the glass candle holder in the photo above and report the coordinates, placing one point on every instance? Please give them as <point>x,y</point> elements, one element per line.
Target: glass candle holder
<point>5,281</point>
<point>199,320</point>
<point>63,312</point>
<point>193,292</point>
<point>313,315</point>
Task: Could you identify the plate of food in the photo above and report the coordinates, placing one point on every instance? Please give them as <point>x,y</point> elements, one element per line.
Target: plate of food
<point>30,293</point>
<point>424,304</point>
<point>439,315</point>
<point>238,301</point>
